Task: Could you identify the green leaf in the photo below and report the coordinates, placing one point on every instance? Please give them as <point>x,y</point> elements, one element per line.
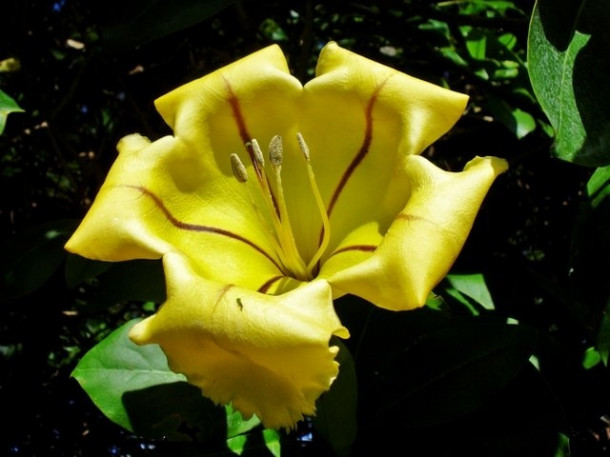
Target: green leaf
<point>134,387</point>
<point>591,358</point>
<point>476,42</point>
<point>272,441</point>
<point>31,258</point>
<point>568,62</point>
<point>517,121</point>
<point>563,446</point>
<point>335,417</point>
<point>237,444</point>
<point>474,286</point>
<point>7,106</point>
<point>272,30</point>
<point>236,424</point>
<point>598,187</point>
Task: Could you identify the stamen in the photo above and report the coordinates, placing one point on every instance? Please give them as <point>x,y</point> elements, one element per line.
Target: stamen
<point>303,146</point>
<point>276,151</point>
<point>258,153</point>
<point>313,263</point>
<point>276,220</point>
<point>239,170</point>
<point>241,174</point>
<point>285,233</point>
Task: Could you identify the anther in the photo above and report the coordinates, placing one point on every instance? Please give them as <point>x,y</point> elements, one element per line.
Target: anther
<point>276,151</point>
<point>258,153</point>
<point>239,170</point>
<point>303,146</point>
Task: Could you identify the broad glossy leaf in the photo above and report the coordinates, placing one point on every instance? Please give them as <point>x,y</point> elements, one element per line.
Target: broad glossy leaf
<point>568,47</point>
<point>134,387</point>
<point>7,106</point>
<point>30,258</point>
<point>335,417</point>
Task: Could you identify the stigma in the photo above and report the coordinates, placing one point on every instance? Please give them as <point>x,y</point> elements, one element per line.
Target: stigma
<point>274,216</point>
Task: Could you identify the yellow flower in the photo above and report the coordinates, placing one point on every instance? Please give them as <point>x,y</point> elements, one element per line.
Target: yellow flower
<point>257,240</point>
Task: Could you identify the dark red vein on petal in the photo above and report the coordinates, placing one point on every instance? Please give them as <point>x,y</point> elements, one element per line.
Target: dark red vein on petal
<point>223,292</point>
<point>357,160</point>
<point>411,217</point>
<point>265,287</point>
<point>362,152</point>
<point>246,139</point>
<point>201,228</point>
<point>355,247</point>
<point>245,136</point>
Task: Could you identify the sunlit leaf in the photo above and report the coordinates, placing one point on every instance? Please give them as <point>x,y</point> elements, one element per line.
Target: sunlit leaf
<point>134,387</point>
<point>474,286</point>
<point>236,424</point>
<point>272,441</point>
<point>237,444</point>
<point>567,56</point>
<point>598,187</point>
<point>7,106</point>
<point>591,358</point>
<point>476,42</point>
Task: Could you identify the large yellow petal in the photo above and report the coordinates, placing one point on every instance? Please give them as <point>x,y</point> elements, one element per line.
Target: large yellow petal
<point>151,204</point>
<point>360,119</point>
<point>255,97</point>
<point>426,237</point>
<point>267,355</point>
<point>180,193</point>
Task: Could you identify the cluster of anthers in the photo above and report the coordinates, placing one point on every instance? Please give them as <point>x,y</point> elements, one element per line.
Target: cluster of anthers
<point>280,233</point>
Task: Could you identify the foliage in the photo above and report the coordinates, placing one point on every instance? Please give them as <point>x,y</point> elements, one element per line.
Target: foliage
<point>567,40</point>
<point>7,106</point>
<point>510,357</point>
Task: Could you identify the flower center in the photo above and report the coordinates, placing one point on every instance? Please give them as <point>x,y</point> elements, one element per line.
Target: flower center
<point>275,219</point>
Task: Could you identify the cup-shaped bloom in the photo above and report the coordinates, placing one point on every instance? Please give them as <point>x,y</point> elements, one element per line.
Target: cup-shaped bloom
<point>257,240</point>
